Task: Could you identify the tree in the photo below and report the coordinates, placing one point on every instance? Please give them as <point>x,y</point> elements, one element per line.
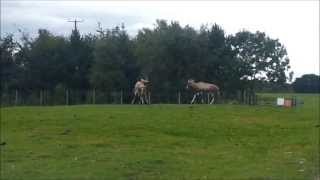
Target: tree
<point>219,59</point>
<point>168,55</point>
<point>308,83</point>
<point>9,66</point>
<point>45,60</point>
<point>260,58</point>
<point>80,57</point>
<point>114,66</point>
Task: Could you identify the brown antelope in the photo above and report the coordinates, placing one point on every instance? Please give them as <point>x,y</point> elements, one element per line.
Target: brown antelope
<point>201,87</point>
<point>141,91</point>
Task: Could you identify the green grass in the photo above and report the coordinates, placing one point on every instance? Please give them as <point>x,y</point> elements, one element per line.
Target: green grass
<point>161,141</point>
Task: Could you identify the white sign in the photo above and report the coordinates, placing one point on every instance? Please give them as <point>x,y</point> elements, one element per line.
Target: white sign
<point>280,101</point>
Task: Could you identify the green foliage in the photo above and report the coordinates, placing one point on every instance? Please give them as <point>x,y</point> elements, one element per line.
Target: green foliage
<point>167,55</point>
<point>308,83</point>
<point>114,66</point>
<point>9,66</point>
<point>179,53</point>
<point>46,60</point>
<point>274,87</point>
<point>80,59</point>
<point>261,58</point>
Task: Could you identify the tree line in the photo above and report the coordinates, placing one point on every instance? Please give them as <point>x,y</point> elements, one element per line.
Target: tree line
<point>168,55</point>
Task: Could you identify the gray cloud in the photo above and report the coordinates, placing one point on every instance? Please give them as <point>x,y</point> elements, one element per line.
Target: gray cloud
<point>54,16</point>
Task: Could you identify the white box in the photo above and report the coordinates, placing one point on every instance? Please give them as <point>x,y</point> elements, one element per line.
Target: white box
<point>280,101</point>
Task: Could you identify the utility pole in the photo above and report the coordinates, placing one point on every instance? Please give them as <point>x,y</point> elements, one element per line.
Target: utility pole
<point>100,30</point>
<point>75,23</point>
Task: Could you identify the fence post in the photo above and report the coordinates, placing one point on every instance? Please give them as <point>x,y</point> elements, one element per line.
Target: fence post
<point>40,100</point>
<point>94,96</point>
<point>246,97</point>
<point>179,97</point>
<point>242,97</point>
<point>149,98</point>
<point>67,96</point>
<point>16,99</point>
<point>121,97</point>
<point>45,97</point>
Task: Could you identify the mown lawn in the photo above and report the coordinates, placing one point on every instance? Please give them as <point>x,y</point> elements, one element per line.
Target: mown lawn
<point>161,142</point>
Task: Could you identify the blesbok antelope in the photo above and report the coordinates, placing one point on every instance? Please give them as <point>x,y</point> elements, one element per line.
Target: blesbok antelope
<point>141,91</point>
<point>202,87</point>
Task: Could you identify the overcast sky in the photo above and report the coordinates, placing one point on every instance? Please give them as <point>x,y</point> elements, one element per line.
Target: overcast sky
<point>294,23</point>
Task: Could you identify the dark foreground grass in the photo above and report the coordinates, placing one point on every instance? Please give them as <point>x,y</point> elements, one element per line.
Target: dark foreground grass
<point>160,142</point>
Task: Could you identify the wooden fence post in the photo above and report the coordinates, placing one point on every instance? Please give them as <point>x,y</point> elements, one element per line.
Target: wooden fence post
<point>179,97</point>
<point>16,99</point>
<point>67,96</point>
<point>247,97</point>
<point>40,100</point>
<point>45,96</point>
<point>94,96</point>
<point>242,96</point>
<point>121,97</point>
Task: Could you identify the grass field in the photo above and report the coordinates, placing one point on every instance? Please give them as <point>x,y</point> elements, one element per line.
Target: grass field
<point>161,142</point>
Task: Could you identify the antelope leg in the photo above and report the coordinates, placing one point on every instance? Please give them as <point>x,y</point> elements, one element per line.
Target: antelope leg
<point>146,99</point>
<point>194,98</point>
<point>212,100</point>
<point>134,99</point>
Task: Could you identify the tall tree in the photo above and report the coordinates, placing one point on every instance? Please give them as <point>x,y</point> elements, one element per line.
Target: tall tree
<point>219,59</point>
<point>80,57</point>
<point>168,54</point>
<point>114,66</point>
<point>44,60</point>
<point>10,67</point>
<point>260,58</point>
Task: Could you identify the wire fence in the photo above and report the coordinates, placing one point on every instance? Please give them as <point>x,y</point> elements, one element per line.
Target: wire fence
<point>94,96</point>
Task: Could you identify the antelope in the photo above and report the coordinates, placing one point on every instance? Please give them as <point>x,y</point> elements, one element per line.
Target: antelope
<point>201,87</point>
<point>141,91</point>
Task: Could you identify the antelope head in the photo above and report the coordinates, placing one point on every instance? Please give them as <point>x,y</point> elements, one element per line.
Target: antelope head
<point>145,81</point>
<point>190,81</point>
